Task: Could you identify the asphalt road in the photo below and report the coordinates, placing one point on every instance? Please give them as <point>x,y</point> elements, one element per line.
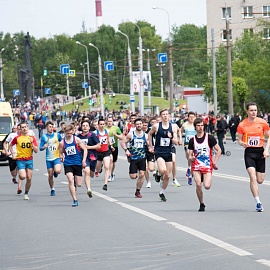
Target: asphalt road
<point>115,230</point>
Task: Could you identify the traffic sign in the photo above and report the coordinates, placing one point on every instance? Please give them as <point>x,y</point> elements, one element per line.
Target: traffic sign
<point>84,84</point>
<point>108,66</point>
<point>16,92</point>
<point>72,73</point>
<point>132,98</point>
<point>64,69</point>
<point>47,91</point>
<point>162,58</point>
<point>90,102</point>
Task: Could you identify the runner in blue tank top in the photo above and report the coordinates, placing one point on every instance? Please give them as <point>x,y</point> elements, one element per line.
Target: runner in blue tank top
<point>137,153</point>
<point>73,161</point>
<point>166,135</point>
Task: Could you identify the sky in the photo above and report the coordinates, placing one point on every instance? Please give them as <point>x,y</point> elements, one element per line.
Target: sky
<point>46,18</point>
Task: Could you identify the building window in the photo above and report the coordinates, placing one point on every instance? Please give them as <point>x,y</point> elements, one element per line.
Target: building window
<point>248,12</point>
<point>224,35</point>
<point>266,33</point>
<point>225,11</point>
<point>248,31</point>
<point>266,11</point>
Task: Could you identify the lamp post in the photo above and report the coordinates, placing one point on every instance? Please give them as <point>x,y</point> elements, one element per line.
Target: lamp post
<point>83,65</point>
<point>161,65</point>
<point>88,69</point>
<point>100,80</point>
<point>130,71</point>
<point>1,75</point>
<point>170,59</point>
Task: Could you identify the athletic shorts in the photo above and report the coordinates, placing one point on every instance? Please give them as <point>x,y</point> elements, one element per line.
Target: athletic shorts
<point>76,170</point>
<point>166,158</point>
<point>115,154</point>
<point>91,164</point>
<point>173,149</point>
<point>12,164</point>
<point>254,158</point>
<point>51,163</point>
<point>150,156</point>
<point>25,164</point>
<point>137,165</point>
<point>102,155</point>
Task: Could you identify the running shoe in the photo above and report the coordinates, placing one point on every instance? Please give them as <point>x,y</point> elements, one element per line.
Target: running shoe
<point>89,193</point>
<point>202,207</point>
<point>148,184</point>
<point>14,181</point>
<point>157,177</point>
<point>112,177</point>
<point>19,191</point>
<point>26,197</point>
<point>75,203</point>
<point>52,192</point>
<point>96,174</point>
<point>190,180</point>
<point>101,168</point>
<point>188,172</point>
<point>176,183</point>
<point>138,194</point>
<point>259,207</point>
<point>105,187</point>
<point>55,174</point>
<point>162,197</point>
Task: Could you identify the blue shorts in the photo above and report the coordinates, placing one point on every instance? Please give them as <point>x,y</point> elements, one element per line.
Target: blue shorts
<point>91,164</point>
<point>25,164</point>
<point>51,163</point>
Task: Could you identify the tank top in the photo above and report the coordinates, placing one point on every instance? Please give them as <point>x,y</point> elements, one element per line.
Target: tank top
<point>163,144</point>
<point>72,153</point>
<point>52,151</point>
<point>104,141</point>
<point>137,146</point>
<point>189,132</point>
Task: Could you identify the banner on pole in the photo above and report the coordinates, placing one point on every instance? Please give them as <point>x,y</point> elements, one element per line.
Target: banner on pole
<point>147,81</point>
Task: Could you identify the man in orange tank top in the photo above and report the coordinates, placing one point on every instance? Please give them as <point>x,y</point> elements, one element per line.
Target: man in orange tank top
<point>251,133</point>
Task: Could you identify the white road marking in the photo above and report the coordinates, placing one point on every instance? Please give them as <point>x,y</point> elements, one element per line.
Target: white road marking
<point>46,174</point>
<point>264,262</point>
<point>211,239</point>
<point>65,183</point>
<point>105,197</point>
<point>36,169</point>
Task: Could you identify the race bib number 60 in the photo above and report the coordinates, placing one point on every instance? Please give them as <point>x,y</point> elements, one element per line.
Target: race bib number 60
<point>253,141</point>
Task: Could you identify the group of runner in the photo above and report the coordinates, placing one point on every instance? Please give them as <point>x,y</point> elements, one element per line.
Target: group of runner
<point>149,144</point>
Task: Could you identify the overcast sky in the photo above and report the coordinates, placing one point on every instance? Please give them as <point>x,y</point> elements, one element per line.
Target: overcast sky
<point>45,18</point>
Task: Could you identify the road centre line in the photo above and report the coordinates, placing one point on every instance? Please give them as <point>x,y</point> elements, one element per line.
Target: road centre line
<point>264,262</point>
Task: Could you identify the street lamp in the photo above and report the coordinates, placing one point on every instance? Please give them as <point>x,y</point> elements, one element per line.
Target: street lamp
<point>100,80</point>
<point>83,65</point>
<point>130,71</point>
<point>170,59</point>
<point>88,70</point>
<point>1,75</point>
<point>161,65</point>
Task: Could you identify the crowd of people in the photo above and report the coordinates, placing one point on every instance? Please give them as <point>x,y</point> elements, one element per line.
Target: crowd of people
<point>91,144</point>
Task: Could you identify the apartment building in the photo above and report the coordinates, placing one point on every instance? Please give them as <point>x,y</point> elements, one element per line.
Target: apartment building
<point>243,16</point>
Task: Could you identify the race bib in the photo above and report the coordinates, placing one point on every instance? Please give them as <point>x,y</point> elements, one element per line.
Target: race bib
<point>138,143</point>
<point>71,150</point>
<point>103,140</point>
<point>84,141</point>
<point>112,140</point>
<point>189,137</point>
<point>165,141</point>
<point>253,141</point>
<point>52,148</point>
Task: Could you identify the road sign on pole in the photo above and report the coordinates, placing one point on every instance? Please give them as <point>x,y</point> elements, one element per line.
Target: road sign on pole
<point>108,66</point>
<point>16,92</point>
<point>64,69</point>
<point>84,84</point>
<point>132,98</point>
<point>162,58</point>
<point>47,91</point>
<point>72,73</point>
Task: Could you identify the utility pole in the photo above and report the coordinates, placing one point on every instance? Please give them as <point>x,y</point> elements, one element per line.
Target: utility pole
<point>214,72</point>
<point>229,63</point>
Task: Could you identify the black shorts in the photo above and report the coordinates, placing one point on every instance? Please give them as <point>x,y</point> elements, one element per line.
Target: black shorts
<point>12,164</point>
<point>173,149</point>
<point>76,170</point>
<point>254,158</point>
<point>115,154</point>
<point>102,155</point>
<point>150,156</point>
<point>137,165</point>
<point>166,158</point>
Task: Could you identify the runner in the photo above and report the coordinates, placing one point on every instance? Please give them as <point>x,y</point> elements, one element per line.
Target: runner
<point>50,142</point>
<point>188,131</point>
<point>136,153</point>
<point>25,145</point>
<point>73,162</point>
<point>91,142</point>
<point>62,131</point>
<point>115,134</point>
<point>166,135</point>
<point>200,155</point>
<point>251,133</point>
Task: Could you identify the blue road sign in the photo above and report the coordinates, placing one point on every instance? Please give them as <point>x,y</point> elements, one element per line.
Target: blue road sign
<point>162,58</point>
<point>64,69</point>
<point>16,92</point>
<point>108,65</point>
<point>84,84</point>
<point>47,91</point>
<point>132,98</point>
